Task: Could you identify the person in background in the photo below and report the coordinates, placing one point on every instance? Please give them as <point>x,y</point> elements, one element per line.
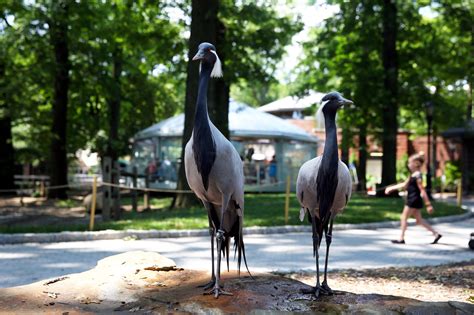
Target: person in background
<point>272,170</point>
<point>416,194</point>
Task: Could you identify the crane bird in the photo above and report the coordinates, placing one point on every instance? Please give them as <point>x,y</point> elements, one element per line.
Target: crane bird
<point>324,185</point>
<point>214,172</point>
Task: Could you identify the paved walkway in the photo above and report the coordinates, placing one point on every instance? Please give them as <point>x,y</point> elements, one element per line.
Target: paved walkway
<point>352,248</point>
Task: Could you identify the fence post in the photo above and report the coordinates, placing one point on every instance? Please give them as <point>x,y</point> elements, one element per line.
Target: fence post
<point>94,200</point>
<point>134,191</point>
<point>42,188</point>
<point>287,198</point>
<point>459,192</point>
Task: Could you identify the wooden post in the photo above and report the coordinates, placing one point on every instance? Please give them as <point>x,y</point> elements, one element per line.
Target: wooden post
<point>94,201</point>
<point>459,193</point>
<point>107,178</point>
<point>42,188</point>
<point>287,198</point>
<point>134,191</point>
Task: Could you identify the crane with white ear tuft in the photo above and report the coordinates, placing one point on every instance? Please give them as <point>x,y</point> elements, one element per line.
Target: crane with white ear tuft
<point>324,186</point>
<point>215,173</point>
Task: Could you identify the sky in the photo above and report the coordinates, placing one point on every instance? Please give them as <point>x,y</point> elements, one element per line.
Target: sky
<point>311,15</point>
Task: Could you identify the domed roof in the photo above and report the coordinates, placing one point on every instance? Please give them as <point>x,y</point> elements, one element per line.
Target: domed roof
<point>244,121</point>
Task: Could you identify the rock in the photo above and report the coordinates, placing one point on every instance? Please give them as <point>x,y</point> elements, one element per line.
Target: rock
<point>146,282</point>
<point>87,202</point>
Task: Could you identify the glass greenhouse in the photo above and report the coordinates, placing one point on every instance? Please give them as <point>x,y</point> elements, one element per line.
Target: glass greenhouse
<point>272,149</point>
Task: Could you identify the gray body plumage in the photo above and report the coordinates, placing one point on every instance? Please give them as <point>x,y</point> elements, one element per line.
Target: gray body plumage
<point>306,188</point>
<point>226,178</point>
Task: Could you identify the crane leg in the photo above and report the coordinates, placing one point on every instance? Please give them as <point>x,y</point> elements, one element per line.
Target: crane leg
<point>324,287</point>
<point>317,289</point>
<point>212,233</point>
<point>218,290</point>
<point>211,283</point>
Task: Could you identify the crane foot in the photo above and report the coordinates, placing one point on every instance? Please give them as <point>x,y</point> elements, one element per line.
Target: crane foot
<point>208,285</point>
<point>217,290</point>
<point>318,290</point>
<point>325,289</point>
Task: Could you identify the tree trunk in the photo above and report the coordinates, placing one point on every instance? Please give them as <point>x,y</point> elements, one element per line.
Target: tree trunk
<point>362,167</point>
<point>219,91</point>
<point>114,123</point>
<point>391,87</point>
<point>114,105</point>
<point>203,29</point>
<point>7,162</point>
<point>469,102</point>
<point>59,40</point>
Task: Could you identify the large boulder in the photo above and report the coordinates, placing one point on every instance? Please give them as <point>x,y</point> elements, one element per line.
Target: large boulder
<point>146,282</point>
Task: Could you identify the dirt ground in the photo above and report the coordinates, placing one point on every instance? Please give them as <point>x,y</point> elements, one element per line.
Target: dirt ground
<point>39,211</point>
<point>452,282</point>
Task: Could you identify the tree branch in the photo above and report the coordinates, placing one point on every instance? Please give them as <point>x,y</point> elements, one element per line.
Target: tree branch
<point>6,21</point>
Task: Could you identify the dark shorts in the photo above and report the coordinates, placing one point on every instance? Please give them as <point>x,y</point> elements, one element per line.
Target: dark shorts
<point>416,203</point>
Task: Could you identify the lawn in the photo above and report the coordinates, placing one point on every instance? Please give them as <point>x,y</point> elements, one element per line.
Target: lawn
<point>260,210</point>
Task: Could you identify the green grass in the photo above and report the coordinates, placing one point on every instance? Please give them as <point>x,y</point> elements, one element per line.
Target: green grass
<point>260,210</point>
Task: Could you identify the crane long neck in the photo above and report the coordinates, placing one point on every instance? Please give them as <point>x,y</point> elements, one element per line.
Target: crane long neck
<point>201,114</point>
<point>330,153</point>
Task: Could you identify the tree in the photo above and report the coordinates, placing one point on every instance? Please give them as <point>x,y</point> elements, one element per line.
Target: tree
<point>149,42</point>
<point>249,48</point>
<point>344,54</point>
<point>390,109</point>
<point>7,163</point>
<point>58,25</point>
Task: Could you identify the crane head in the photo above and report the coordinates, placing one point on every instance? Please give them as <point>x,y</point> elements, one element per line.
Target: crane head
<point>331,102</point>
<point>334,100</point>
<point>207,54</point>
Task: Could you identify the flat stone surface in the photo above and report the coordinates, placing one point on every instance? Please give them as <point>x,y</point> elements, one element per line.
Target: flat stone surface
<point>353,248</point>
<point>125,283</point>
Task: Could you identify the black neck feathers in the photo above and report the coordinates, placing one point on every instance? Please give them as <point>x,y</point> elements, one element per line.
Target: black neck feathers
<point>204,146</point>
<point>327,178</point>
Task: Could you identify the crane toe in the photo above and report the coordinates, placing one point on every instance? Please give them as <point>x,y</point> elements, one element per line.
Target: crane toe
<point>325,289</point>
<point>208,285</point>
<point>217,291</point>
<point>316,291</point>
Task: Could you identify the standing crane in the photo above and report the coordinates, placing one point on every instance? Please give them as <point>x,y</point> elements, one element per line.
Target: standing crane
<point>215,173</point>
<point>324,186</point>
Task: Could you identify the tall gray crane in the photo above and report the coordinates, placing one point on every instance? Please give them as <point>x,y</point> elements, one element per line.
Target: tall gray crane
<point>215,173</point>
<point>324,186</point>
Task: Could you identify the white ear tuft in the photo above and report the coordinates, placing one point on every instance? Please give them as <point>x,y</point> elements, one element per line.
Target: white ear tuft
<point>320,115</point>
<point>217,70</point>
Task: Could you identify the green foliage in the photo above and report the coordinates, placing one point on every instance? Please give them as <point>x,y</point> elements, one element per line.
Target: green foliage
<point>345,54</point>
<point>402,170</point>
<point>152,49</point>
<point>255,43</point>
<point>452,171</point>
<point>151,82</point>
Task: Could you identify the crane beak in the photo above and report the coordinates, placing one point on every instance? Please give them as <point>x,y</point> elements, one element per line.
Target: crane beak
<point>345,102</point>
<point>199,55</point>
